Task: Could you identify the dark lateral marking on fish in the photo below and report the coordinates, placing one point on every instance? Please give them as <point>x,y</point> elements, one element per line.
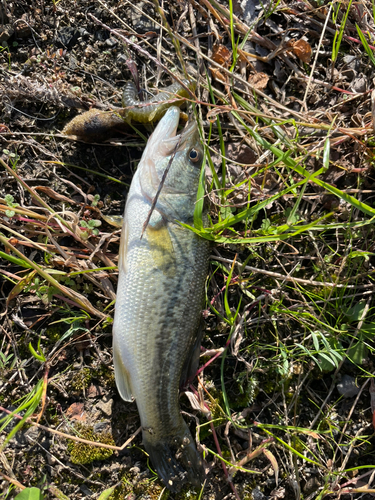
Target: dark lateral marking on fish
<point>154,201</point>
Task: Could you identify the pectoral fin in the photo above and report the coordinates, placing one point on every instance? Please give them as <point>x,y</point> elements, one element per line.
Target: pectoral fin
<point>122,375</point>
<point>113,220</point>
<point>122,264</point>
<point>162,250</point>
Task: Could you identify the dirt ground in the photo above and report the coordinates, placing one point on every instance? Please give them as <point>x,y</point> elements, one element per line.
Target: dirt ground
<point>290,405</point>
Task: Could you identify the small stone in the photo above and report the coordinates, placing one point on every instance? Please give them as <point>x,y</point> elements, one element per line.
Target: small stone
<point>257,494</point>
<point>100,427</point>
<point>6,32</point>
<point>111,42</point>
<point>312,484</point>
<point>347,387</point>
<point>32,433</point>
<point>352,62</point>
<point>359,85</point>
<point>95,391</point>
<point>105,407</point>
<point>101,35</point>
<point>73,64</point>
<point>85,490</point>
<point>83,32</point>
<point>142,24</point>
<point>67,37</point>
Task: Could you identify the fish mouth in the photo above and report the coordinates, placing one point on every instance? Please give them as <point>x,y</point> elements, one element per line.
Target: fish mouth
<point>170,123</point>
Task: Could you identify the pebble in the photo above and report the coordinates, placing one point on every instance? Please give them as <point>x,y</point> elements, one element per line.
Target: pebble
<point>257,494</point>
<point>6,32</point>
<point>105,406</point>
<point>111,42</point>
<point>312,484</point>
<point>100,427</point>
<point>67,37</point>
<point>352,62</point>
<point>86,491</point>
<point>347,387</point>
<point>359,85</point>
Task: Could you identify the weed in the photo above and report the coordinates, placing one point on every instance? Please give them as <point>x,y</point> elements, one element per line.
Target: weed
<point>6,359</point>
<point>338,34</point>
<point>9,199</point>
<point>90,228</point>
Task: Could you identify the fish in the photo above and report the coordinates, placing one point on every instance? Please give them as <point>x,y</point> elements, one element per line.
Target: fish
<point>160,294</point>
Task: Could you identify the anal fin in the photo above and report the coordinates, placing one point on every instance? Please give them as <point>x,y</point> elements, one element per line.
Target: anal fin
<point>121,375</point>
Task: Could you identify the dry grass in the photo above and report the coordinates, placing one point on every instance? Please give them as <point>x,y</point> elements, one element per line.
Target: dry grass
<point>285,398</point>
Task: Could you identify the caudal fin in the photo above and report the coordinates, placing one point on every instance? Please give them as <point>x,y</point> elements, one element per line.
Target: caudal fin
<point>175,459</point>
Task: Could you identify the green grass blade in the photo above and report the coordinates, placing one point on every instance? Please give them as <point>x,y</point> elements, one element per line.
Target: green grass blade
<point>365,44</point>
<point>363,207</point>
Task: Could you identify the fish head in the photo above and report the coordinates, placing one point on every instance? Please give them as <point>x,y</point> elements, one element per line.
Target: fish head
<point>177,159</point>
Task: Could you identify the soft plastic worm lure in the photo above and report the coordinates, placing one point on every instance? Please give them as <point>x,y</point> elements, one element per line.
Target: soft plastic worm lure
<point>153,109</point>
<point>96,125</point>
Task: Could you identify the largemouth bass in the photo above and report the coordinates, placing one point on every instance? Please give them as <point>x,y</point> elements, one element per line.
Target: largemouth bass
<point>160,296</point>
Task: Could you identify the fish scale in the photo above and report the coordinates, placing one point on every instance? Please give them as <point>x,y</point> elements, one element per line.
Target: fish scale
<point>160,297</point>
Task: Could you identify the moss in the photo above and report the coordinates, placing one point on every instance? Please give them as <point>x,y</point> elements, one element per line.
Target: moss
<point>23,346</point>
<point>82,379</point>
<point>53,332</point>
<point>139,489</point>
<point>150,488</point>
<point>105,376</point>
<point>82,453</point>
<point>244,392</point>
<point>188,494</point>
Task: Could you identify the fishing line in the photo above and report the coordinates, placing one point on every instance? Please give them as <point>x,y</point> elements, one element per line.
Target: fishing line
<point>154,201</point>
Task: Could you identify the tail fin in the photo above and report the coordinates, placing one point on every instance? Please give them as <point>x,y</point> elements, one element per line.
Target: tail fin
<point>175,459</point>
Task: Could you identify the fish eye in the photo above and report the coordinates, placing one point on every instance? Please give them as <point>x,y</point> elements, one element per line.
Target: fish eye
<point>194,155</point>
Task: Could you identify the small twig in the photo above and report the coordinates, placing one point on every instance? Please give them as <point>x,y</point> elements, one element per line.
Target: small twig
<point>75,438</point>
<point>13,481</point>
<point>290,278</point>
<point>154,201</point>
<point>316,57</point>
<point>144,52</point>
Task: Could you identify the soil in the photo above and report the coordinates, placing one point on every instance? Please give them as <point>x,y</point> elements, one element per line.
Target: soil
<point>59,59</point>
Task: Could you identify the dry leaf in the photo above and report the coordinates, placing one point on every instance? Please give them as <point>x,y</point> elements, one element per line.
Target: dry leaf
<point>258,80</point>
<point>52,194</point>
<point>301,49</point>
<point>196,404</point>
<point>274,463</point>
<point>76,411</point>
<point>217,75</point>
<point>222,55</point>
<point>212,114</point>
